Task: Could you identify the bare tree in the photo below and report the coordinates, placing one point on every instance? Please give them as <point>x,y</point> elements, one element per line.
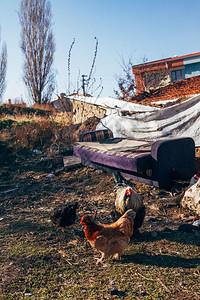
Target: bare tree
<point>38,47</point>
<point>3,68</point>
<point>125,81</point>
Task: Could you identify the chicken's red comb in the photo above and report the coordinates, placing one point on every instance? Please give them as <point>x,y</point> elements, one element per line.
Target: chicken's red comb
<point>128,191</point>
<point>196,176</point>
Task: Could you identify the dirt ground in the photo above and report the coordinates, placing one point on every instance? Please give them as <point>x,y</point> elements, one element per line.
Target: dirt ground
<point>31,243</point>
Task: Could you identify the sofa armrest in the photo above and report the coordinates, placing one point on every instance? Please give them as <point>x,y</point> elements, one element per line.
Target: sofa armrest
<point>95,136</point>
<point>173,159</point>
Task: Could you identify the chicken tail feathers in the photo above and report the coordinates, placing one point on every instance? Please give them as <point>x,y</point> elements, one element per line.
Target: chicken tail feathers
<point>130,213</point>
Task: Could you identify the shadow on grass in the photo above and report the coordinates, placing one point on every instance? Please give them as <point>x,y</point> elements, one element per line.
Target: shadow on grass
<point>161,260</point>
<point>24,226</point>
<point>172,235</point>
<point>27,226</point>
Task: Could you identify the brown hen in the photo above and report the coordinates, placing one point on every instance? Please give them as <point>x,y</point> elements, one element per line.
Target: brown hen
<point>109,239</point>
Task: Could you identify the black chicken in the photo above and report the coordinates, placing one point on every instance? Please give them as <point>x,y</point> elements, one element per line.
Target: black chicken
<point>65,214</point>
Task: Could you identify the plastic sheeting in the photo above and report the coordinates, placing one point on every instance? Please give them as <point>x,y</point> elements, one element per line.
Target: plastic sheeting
<point>181,120</point>
<point>112,103</point>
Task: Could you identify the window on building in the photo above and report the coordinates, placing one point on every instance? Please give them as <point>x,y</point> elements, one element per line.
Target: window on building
<point>152,80</point>
<point>178,75</point>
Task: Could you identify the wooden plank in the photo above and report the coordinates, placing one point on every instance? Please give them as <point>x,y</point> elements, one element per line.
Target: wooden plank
<point>71,161</point>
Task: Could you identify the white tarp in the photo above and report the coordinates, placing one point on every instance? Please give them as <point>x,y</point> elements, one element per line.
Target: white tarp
<point>111,103</point>
<point>181,120</point>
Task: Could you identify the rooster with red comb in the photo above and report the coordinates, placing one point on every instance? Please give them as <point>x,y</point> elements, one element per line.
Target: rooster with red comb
<point>127,198</point>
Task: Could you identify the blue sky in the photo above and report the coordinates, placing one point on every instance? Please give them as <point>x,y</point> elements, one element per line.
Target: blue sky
<point>152,28</point>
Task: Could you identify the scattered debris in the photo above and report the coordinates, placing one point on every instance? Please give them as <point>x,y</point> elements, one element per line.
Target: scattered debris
<point>71,161</point>
<point>27,292</point>
<point>154,207</point>
<point>58,171</point>
<point>9,191</point>
<point>65,256</point>
<point>50,176</point>
<point>37,151</point>
<point>196,223</point>
<point>68,249</point>
<point>44,158</point>
<point>158,279</point>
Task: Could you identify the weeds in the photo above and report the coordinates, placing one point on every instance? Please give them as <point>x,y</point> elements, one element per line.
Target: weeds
<point>34,128</point>
<point>23,130</point>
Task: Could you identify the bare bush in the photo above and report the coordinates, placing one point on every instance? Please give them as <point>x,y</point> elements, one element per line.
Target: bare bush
<point>89,84</point>
<point>125,81</point>
<point>34,135</point>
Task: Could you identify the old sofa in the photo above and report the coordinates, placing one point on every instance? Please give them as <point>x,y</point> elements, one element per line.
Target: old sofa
<point>156,163</point>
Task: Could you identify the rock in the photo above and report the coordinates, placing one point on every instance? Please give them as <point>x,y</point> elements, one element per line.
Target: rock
<point>50,176</point>
<point>196,223</point>
<point>191,198</point>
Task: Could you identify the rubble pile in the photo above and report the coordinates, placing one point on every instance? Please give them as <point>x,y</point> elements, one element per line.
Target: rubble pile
<point>179,89</point>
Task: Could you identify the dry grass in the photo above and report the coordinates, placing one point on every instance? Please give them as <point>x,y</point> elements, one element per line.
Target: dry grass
<point>63,119</point>
<point>34,128</point>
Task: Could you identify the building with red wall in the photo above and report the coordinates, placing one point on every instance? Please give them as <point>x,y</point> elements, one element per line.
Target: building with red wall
<point>159,73</point>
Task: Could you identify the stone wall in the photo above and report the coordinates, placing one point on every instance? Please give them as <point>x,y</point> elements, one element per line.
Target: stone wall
<point>62,104</point>
<point>82,111</point>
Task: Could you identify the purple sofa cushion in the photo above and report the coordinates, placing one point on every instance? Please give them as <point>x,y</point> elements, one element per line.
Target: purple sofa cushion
<point>136,161</point>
